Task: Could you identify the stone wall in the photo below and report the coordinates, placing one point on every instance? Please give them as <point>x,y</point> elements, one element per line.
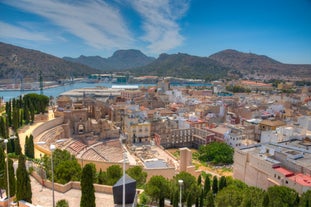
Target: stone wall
<point>168,173</point>
<point>46,126</point>
<point>70,185</point>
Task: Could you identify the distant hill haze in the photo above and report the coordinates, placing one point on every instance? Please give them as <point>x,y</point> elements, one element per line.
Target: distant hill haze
<point>120,60</point>
<point>19,63</point>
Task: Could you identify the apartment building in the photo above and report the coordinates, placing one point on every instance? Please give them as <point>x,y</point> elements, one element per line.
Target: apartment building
<point>286,163</point>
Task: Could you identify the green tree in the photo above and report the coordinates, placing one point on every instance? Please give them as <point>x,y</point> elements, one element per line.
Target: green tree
<point>201,201</point>
<point>137,174</point>
<point>143,199</point>
<point>66,166</point>
<point>215,185</point>
<point>113,174</point>
<point>12,179</point>
<point>62,203</point>
<point>229,196</point>
<point>2,168</point>
<point>253,197</point>
<point>207,185</point>
<point>102,177</point>
<point>29,145</point>
<point>23,191</point>
<point>157,189</point>
<point>222,182</point>
<point>200,180</point>
<point>68,170</point>
<point>305,199</point>
<point>87,187</point>
<point>94,172</point>
<point>17,145</point>
<point>217,153</point>
<point>210,199</point>
<point>282,196</point>
<point>190,187</point>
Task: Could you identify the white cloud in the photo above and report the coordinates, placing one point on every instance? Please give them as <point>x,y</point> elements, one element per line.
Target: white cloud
<point>95,22</point>
<point>11,31</point>
<point>162,31</point>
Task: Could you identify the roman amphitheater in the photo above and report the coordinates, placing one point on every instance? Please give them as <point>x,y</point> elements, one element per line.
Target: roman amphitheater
<point>94,132</point>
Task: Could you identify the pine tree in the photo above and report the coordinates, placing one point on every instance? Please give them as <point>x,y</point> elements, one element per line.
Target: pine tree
<point>87,188</point>
<point>23,191</point>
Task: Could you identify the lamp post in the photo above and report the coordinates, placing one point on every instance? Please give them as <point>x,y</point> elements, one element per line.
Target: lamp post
<point>180,194</point>
<point>41,172</point>
<point>123,179</point>
<point>52,148</point>
<point>7,166</point>
<point>123,195</point>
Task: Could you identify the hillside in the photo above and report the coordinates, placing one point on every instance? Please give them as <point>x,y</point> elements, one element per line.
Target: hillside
<point>19,63</point>
<point>250,63</point>
<point>120,60</point>
<point>184,66</point>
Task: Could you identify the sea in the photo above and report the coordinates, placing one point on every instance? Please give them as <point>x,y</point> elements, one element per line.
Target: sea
<point>56,91</point>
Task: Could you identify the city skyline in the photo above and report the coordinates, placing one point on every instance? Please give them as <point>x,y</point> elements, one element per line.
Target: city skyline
<point>278,29</point>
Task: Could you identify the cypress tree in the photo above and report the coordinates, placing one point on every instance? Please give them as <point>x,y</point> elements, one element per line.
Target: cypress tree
<point>12,178</point>
<point>207,185</point>
<point>200,180</point>
<point>2,127</point>
<point>10,146</point>
<point>222,182</point>
<point>87,188</point>
<point>2,168</point>
<point>201,203</point>
<point>23,191</point>
<point>215,185</point>
<point>31,147</point>
<point>210,199</point>
<point>17,146</point>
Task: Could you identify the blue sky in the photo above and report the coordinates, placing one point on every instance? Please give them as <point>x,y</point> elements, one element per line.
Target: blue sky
<point>280,29</point>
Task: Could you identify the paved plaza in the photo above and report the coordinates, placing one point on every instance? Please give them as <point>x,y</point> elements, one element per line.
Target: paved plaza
<point>43,196</point>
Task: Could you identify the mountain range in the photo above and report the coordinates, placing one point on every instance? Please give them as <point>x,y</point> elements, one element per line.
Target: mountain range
<point>120,60</point>
<point>261,64</point>
<point>17,62</point>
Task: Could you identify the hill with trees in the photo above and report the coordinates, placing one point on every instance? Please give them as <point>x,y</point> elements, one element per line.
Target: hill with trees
<point>20,63</point>
<point>184,66</point>
<point>261,64</point>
